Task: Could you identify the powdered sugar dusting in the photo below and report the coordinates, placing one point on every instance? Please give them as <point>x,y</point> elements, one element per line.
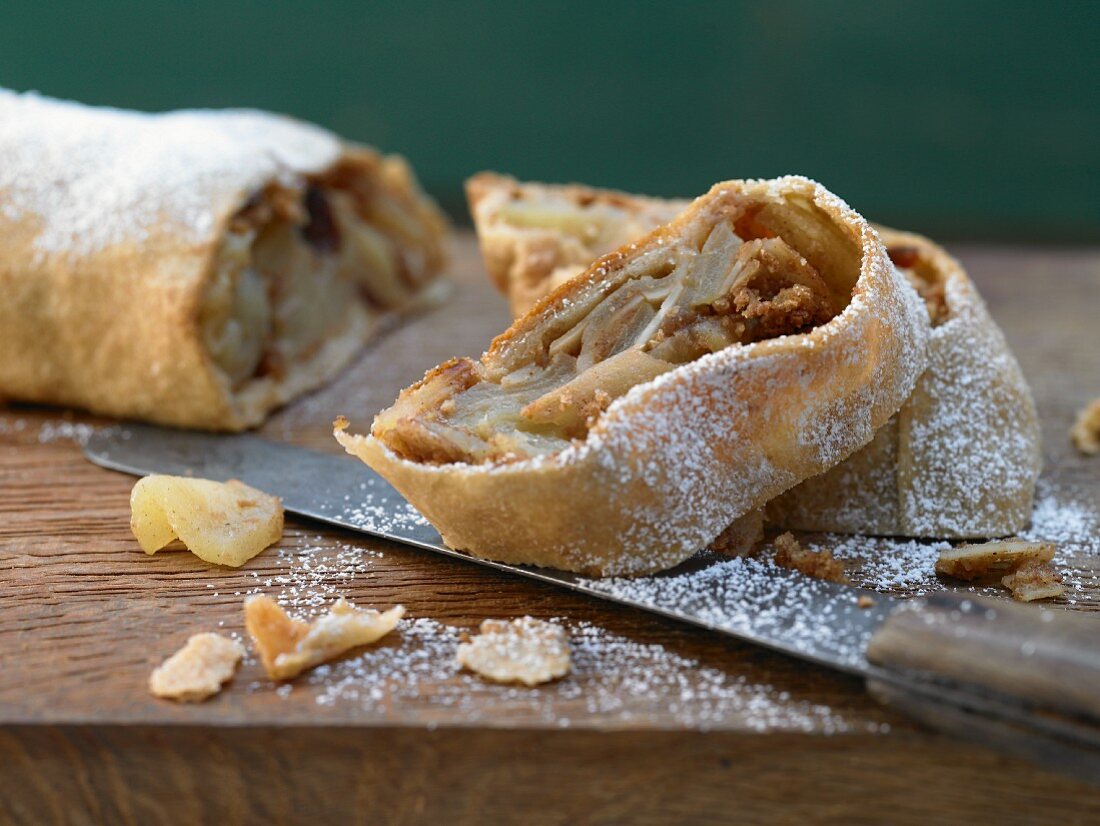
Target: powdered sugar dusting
<point>53,431</point>
<point>907,566</point>
<point>76,432</point>
<point>8,426</point>
<point>1065,517</point>
<point>753,597</point>
<point>618,681</point>
<point>961,457</point>
<point>314,574</point>
<point>971,431</point>
<point>91,177</point>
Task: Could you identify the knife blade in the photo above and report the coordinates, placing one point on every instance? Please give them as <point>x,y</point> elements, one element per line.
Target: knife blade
<point>1012,677</point>
<point>748,599</point>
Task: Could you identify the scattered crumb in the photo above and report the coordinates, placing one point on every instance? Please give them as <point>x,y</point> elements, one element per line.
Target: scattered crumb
<point>225,523</point>
<point>1034,580</point>
<point>991,559</point>
<point>819,564</point>
<point>742,537</point>
<point>525,650</point>
<point>197,670</point>
<point>865,601</point>
<point>1086,430</point>
<point>289,646</point>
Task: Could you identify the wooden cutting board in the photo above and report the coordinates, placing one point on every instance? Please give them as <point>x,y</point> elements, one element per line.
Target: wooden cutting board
<point>659,723</point>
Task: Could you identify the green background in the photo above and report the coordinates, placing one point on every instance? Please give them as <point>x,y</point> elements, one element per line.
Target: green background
<point>964,120</point>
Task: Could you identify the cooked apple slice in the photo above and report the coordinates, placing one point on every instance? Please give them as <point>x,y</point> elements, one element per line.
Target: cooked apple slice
<point>226,523</point>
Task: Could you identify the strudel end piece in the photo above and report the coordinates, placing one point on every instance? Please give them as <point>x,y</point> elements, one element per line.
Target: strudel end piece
<point>195,268</point>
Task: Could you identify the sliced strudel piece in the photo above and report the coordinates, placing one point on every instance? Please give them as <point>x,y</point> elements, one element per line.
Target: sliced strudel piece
<point>679,383</point>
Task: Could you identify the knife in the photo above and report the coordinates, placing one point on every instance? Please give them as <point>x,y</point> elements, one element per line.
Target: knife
<point>1024,679</point>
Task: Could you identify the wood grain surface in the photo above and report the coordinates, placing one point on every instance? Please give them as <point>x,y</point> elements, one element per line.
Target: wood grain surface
<point>85,615</point>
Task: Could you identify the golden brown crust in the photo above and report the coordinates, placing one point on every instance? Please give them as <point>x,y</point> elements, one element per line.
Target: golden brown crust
<point>677,459</point>
<point>115,328</point>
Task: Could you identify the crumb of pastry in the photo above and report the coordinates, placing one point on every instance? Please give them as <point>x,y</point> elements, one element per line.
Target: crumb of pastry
<point>991,560</point>
<point>225,523</point>
<point>865,601</point>
<point>525,650</point>
<point>819,564</point>
<point>1034,580</point>
<point>289,646</point>
<point>197,670</point>
<point>1086,430</point>
<point>742,537</point>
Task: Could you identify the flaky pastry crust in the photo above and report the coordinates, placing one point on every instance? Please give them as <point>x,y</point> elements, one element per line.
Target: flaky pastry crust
<point>669,464</point>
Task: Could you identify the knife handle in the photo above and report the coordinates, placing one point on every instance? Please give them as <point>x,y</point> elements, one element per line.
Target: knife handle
<point>1021,678</point>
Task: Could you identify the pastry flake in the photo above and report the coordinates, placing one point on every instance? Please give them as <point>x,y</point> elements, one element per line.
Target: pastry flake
<point>991,559</point>
<point>1033,580</point>
<point>197,670</point>
<point>1086,430</point>
<point>524,650</point>
<point>789,553</point>
<point>289,646</point>
<point>679,383</point>
<point>225,523</point>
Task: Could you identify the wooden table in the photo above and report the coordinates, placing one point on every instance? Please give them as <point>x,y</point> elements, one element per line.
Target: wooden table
<point>661,722</point>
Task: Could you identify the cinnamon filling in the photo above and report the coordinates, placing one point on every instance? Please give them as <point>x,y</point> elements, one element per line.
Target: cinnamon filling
<point>668,306</point>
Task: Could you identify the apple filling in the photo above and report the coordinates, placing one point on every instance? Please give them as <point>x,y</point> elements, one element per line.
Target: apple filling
<point>296,261</point>
<point>597,224</point>
<point>555,232</point>
<point>732,278</point>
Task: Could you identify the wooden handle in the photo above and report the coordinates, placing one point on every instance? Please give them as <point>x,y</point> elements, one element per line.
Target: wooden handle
<point>1019,677</point>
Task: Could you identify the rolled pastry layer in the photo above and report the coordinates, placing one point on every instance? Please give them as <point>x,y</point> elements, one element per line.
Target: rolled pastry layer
<point>195,268</point>
<point>960,460</point>
<point>676,385</point>
<point>535,237</point>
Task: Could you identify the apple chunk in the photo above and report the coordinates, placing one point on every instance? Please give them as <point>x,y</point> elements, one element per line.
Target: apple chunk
<point>225,523</point>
